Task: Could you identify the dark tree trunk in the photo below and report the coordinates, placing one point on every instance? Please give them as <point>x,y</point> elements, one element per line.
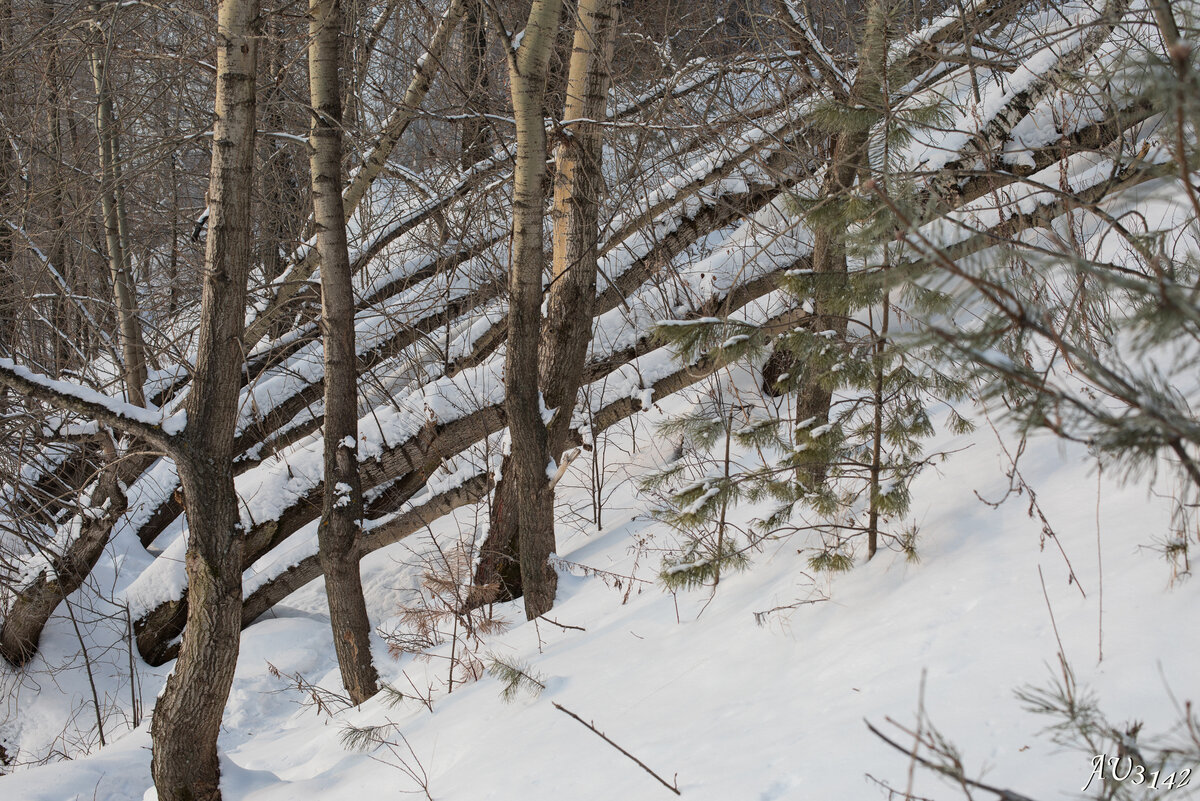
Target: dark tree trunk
<point>187,717</point>
<point>848,156</point>
<point>342,509</point>
<point>476,132</point>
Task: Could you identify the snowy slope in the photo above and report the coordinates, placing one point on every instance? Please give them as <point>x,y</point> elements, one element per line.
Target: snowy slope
<point>760,690</point>
<point>693,686</point>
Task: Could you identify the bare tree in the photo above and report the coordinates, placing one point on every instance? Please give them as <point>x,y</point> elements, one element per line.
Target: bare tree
<point>116,221</point>
<point>341,514</point>
<point>187,716</point>
<point>530,450</point>
<point>578,183</point>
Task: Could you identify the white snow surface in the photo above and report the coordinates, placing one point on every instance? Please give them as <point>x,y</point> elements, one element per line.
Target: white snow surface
<point>693,686</point>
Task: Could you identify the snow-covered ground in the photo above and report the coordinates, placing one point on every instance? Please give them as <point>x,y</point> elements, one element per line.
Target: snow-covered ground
<point>707,692</point>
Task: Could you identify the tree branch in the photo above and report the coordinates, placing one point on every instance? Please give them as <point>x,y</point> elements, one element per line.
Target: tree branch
<point>122,416</point>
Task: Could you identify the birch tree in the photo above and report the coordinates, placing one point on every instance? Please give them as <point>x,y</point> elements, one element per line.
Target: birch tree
<point>527,66</point>
<point>567,330</point>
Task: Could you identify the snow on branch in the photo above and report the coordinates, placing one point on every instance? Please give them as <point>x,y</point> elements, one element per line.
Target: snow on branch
<point>150,425</point>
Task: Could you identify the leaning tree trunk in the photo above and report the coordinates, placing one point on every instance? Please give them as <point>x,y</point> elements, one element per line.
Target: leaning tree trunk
<point>36,600</point>
<point>116,237</point>
<point>187,717</point>
<point>342,506</point>
<point>530,451</point>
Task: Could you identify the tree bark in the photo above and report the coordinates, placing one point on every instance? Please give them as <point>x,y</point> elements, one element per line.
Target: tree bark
<point>530,449</point>
<point>476,137</point>
<point>578,184</point>
<point>567,329</point>
<point>36,601</point>
<point>341,513</point>
<point>116,236</point>
<point>187,717</point>
<point>296,278</point>
<point>848,157</point>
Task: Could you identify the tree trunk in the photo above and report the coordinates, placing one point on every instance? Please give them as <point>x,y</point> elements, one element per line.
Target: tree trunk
<point>848,158</point>
<point>7,174</point>
<point>530,450</point>
<point>341,513</point>
<point>116,236</point>
<point>281,174</point>
<point>476,133</point>
<point>568,326</point>
<point>296,279</point>
<point>36,601</point>
<point>578,184</point>
<point>187,717</point>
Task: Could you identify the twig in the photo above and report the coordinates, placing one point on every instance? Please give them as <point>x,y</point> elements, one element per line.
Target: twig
<point>87,663</point>
<point>1062,654</point>
<point>893,792</point>
<point>563,625</point>
<point>604,737</point>
<point>1004,795</point>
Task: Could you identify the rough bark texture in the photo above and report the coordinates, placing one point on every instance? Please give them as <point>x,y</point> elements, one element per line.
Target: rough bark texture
<point>848,158</point>
<point>530,453</point>
<point>476,132</point>
<point>187,716</point>
<point>341,513</point>
<point>829,265</point>
<point>567,329</point>
<point>991,136</point>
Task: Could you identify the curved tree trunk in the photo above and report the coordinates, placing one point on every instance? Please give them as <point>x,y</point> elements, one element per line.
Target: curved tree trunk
<point>36,601</point>
<point>341,512</point>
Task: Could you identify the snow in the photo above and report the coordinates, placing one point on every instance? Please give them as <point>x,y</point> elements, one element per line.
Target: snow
<point>759,688</point>
<point>970,621</point>
<point>170,425</point>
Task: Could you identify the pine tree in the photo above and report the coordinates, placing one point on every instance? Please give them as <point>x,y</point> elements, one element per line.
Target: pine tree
<point>849,459</point>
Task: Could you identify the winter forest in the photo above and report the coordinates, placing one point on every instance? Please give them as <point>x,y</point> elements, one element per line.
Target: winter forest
<point>555,399</point>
